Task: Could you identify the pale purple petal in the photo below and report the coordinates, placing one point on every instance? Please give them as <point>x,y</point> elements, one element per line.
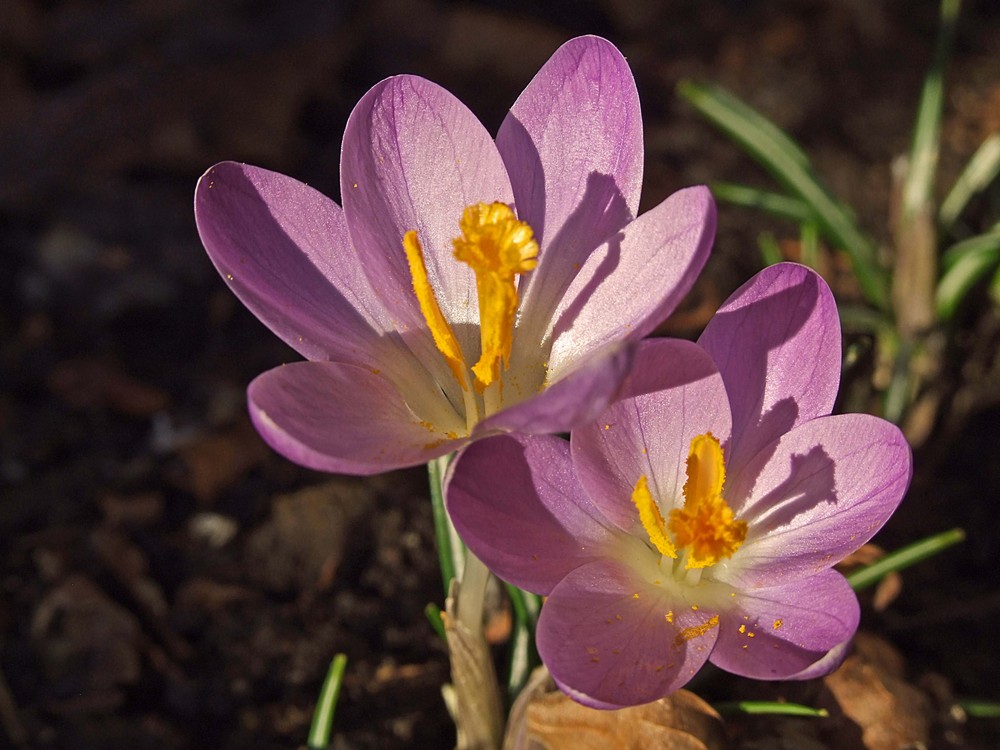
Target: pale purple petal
<point>572,144</point>
<point>515,501</point>
<point>283,249</point>
<point>574,399</point>
<point>612,639</point>
<point>341,418</point>
<point>821,492</point>
<point>826,664</point>
<point>636,279</point>
<point>784,632</point>
<point>414,157</point>
<point>776,341</point>
<point>673,394</point>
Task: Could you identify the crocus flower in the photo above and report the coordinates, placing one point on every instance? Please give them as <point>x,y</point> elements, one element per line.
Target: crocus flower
<point>699,517</point>
<point>467,286</point>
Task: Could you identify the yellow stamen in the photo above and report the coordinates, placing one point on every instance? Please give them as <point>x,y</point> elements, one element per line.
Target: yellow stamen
<point>706,525</point>
<point>498,247</point>
<point>444,338</point>
<point>651,518</point>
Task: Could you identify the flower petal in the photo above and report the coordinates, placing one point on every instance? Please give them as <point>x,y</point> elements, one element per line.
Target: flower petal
<point>776,341</point>
<point>572,144</point>
<point>576,398</point>
<point>815,496</point>
<point>826,664</point>
<point>610,639</point>
<point>635,279</point>
<point>787,631</point>
<point>341,418</point>
<point>673,394</point>
<point>414,157</point>
<point>283,248</point>
<point>515,501</point>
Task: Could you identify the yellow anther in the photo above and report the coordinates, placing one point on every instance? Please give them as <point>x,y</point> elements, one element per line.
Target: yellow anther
<point>444,338</point>
<point>651,518</point>
<point>498,247</point>
<point>705,526</point>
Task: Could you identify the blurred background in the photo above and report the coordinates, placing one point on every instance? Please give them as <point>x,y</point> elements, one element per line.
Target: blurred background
<point>165,580</point>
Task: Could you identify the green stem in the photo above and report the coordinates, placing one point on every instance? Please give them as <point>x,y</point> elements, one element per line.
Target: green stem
<point>451,551</point>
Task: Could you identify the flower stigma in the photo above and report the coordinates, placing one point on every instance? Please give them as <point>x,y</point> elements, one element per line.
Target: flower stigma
<point>704,530</point>
<point>498,247</point>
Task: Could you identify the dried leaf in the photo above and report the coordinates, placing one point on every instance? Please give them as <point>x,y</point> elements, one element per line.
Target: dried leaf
<point>553,721</point>
<point>871,694</point>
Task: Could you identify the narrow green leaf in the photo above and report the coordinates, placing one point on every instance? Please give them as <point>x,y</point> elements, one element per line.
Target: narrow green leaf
<point>896,398</point>
<point>980,709</point>
<point>982,169</point>
<point>809,245</point>
<point>995,287</point>
<point>862,319</point>
<point>522,656</point>
<point>966,263</point>
<point>322,723</point>
<point>770,251</point>
<point>774,203</point>
<point>451,551</point>
<point>919,184</point>
<point>433,614</point>
<point>778,154</point>
<point>904,557</point>
<point>773,708</point>
<point>979,244</point>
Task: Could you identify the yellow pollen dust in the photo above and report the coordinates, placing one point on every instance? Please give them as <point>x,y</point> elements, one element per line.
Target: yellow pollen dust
<point>651,518</point>
<point>498,247</point>
<point>705,526</point>
<point>696,631</point>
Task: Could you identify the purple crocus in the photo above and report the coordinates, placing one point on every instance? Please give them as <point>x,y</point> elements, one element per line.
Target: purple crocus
<point>699,517</point>
<point>468,286</point>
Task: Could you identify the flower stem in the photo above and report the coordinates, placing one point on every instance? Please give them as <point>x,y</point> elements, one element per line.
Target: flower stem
<point>474,696</point>
<point>472,594</point>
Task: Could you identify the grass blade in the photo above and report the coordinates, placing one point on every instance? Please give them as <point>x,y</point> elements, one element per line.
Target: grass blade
<point>523,657</point>
<point>966,263</point>
<point>773,203</point>
<point>772,708</point>
<point>980,709</point>
<point>322,723</point>
<point>770,251</point>
<point>778,154</point>
<point>904,557</point>
<point>451,551</point>
<point>433,614</point>
<point>919,184</point>
<point>809,245</point>
<point>982,169</point>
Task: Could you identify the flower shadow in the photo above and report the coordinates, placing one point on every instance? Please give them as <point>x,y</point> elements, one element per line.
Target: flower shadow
<point>811,481</point>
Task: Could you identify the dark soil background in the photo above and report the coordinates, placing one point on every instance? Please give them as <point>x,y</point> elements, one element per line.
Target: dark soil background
<point>165,580</point>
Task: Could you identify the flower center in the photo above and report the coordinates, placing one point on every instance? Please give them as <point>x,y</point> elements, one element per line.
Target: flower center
<point>705,529</point>
<point>498,247</point>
